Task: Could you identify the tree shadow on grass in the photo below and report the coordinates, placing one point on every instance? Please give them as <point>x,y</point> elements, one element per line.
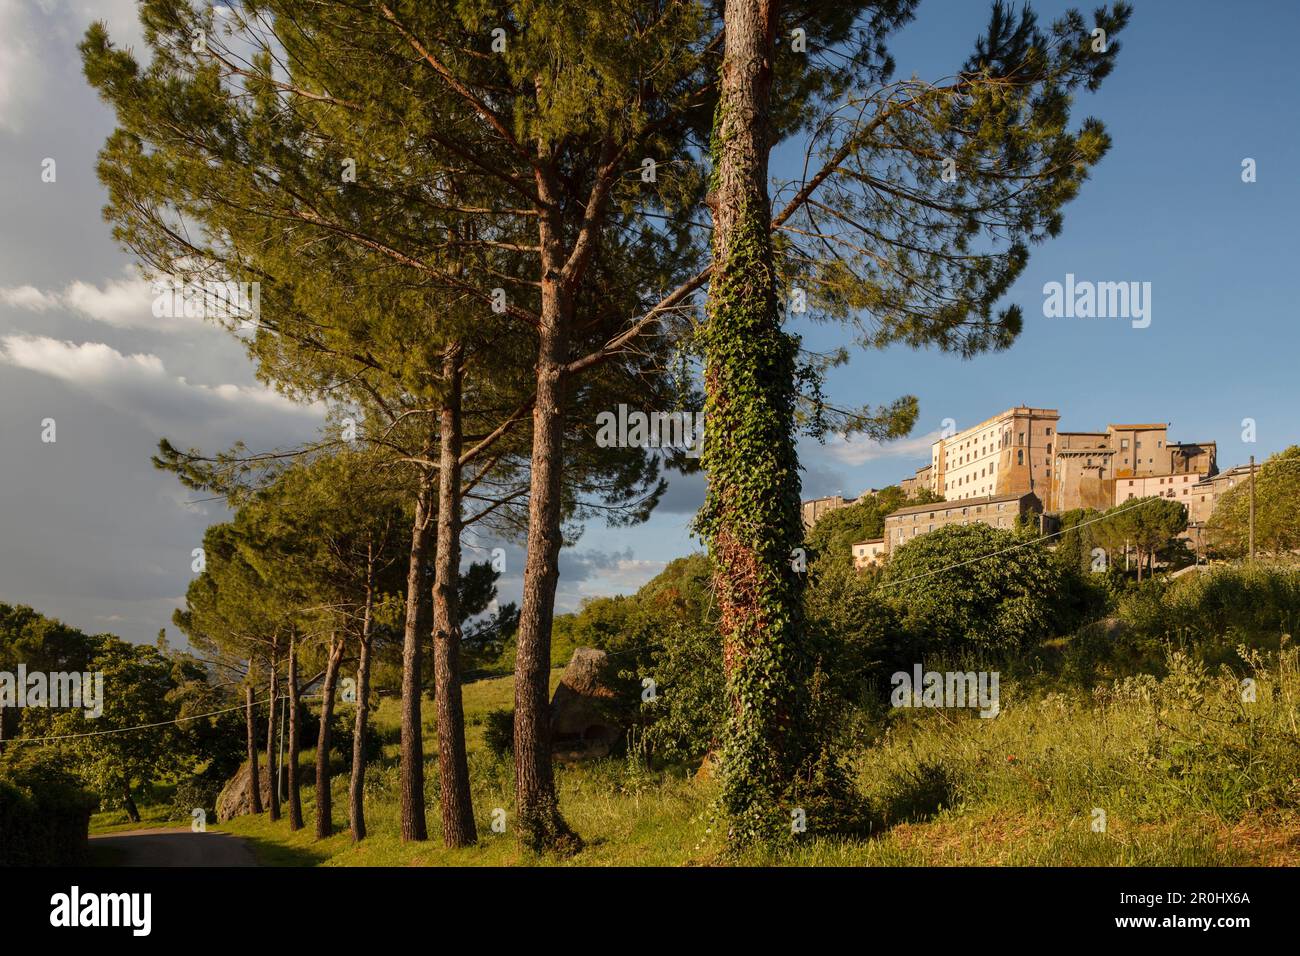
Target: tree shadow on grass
<point>273,853</point>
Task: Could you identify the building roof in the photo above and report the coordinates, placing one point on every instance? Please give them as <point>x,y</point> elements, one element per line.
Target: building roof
<point>868,541</point>
<point>1146,428</point>
<point>960,503</point>
<point>1016,409</point>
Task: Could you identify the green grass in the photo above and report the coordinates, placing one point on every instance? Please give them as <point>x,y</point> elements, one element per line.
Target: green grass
<point>152,816</point>
<point>1185,771</point>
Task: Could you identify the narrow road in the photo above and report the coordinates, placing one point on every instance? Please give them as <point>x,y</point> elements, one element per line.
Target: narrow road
<point>173,848</point>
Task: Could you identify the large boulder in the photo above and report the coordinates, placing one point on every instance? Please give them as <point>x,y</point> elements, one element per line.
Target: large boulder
<point>584,723</point>
<point>236,797</point>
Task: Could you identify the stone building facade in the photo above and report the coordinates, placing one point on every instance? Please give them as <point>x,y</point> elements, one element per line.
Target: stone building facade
<point>1007,454</point>
<point>998,511</point>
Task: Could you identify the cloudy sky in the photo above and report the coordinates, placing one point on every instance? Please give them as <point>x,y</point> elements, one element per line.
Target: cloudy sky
<point>91,533</point>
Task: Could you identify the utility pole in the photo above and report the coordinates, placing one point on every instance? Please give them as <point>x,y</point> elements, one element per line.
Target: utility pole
<point>1252,507</point>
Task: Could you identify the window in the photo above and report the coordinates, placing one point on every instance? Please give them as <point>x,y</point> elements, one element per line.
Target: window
<point>1123,443</point>
<point>1020,456</point>
<point>1137,444</point>
<point>1049,430</point>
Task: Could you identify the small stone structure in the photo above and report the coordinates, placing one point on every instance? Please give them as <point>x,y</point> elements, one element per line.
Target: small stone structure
<point>583,721</point>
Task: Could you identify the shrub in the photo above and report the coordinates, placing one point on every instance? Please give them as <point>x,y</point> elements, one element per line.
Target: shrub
<point>973,587</point>
<point>44,818</point>
<point>499,732</point>
<point>689,709</point>
<point>194,793</point>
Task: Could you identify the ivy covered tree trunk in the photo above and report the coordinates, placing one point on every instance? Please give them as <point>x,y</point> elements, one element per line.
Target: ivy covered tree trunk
<point>324,801</point>
<point>272,760</point>
<point>250,720</point>
<point>453,764</point>
<point>412,763</point>
<point>295,731</point>
<point>751,514</point>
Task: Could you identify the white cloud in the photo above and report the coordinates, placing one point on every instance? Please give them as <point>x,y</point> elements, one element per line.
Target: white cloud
<point>29,297</point>
<point>88,363</point>
<point>859,451</point>
<point>138,381</point>
<point>125,303</point>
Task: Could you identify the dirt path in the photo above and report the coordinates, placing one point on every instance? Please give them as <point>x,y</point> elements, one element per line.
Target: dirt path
<point>173,848</point>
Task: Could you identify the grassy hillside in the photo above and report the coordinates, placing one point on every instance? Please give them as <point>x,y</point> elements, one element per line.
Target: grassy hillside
<point>1186,772</point>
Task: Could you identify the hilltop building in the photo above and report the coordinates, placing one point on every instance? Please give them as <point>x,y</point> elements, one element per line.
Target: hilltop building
<point>997,511</point>
<point>1018,462</point>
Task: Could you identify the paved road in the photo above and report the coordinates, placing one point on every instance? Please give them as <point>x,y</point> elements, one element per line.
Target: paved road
<point>174,848</point>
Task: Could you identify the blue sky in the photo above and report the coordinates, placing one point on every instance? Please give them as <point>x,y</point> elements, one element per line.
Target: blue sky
<point>1198,87</point>
<point>91,533</point>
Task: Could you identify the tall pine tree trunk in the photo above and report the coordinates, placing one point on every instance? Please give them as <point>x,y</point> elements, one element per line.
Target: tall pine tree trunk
<point>324,799</point>
<point>751,515</point>
<point>250,720</point>
<point>412,766</point>
<point>272,759</point>
<point>357,786</point>
<point>295,731</point>
<point>540,825</point>
<point>453,765</point>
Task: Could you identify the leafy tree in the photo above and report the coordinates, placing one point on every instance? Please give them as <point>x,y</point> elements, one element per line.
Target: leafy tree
<point>43,644</point>
<point>1077,537</point>
<point>973,588</point>
<point>111,757</point>
<point>1277,510</point>
<point>829,542</point>
<point>1148,525</point>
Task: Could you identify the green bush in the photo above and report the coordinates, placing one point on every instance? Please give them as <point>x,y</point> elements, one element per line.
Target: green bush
<point>44,818</point>
<point>194,793</point>
<point>976,588</point>
<point>685,717</point>
<point>499,732</point>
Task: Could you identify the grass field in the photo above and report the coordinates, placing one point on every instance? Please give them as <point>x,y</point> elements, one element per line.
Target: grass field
<point>1184,771</point>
